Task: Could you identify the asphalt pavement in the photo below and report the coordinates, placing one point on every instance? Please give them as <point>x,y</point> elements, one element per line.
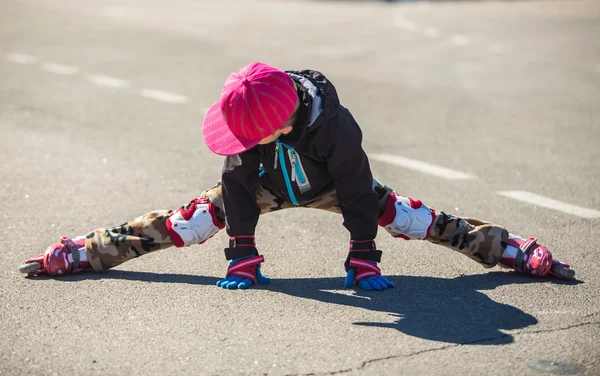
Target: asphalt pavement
<point>482,109</point>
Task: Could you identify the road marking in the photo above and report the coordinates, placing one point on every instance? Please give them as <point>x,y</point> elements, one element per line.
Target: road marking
<point>60,68</point>
<point>421,166</point>
<point>101,80</point>
<point>163,96</point>
<point>19,58</point>
<point>460,40</point>
<point>431,32</point>
<point>497,49</point>
<point>405,24</point>
<point>96,79</point>
<point>116,12</point>
<point>549,203</point>
<point>423,7</point>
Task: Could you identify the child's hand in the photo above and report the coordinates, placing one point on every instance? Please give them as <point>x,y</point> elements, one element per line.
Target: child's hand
<point>233,282</point>
<point>374,282</point>
<point>377,282</point>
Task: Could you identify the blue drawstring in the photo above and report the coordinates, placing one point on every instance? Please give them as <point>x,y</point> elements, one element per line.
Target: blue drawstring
<point>288,183</point>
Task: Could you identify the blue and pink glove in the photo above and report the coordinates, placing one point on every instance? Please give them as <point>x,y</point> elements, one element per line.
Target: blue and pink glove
<point>361,267</point>
<point>244,268</point>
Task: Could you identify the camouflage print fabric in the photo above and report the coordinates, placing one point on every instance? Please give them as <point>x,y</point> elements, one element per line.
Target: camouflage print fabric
<point>110,247</point>
<point>269,201</point>
<point>482,241</point>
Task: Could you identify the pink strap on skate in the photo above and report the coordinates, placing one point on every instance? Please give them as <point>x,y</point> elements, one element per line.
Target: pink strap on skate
<point>246,268</point>
<point>364,269</point>
<point>522,255</point>
<point>528,244</point>
<point>72,248</point>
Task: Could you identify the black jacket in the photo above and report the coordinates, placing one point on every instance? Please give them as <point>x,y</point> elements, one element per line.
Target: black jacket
<point>328,155</point>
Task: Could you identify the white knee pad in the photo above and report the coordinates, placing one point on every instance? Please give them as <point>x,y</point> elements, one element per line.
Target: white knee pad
<point>406,218</point>
<point>193,224</point>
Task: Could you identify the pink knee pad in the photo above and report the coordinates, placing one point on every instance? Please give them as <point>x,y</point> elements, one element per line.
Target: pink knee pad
<point>406,218</point>
<point>194,223</point>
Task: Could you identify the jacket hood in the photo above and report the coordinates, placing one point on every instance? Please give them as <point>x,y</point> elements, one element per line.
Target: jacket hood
<point>319,103</point>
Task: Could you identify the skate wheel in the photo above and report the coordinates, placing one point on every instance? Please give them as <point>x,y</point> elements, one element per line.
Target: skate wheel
<point>563,272</point>
<point>30,268</point>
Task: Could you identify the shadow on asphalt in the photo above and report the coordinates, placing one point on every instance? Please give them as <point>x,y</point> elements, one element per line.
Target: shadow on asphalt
<point>438,309</point>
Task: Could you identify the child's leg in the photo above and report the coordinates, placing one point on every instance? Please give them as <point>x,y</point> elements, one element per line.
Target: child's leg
<point>110,247</point>
<point>407,218</point>
<point>484,242</point>
<point>105,248</point>
<point>269,201</point>
<point>481,241</point>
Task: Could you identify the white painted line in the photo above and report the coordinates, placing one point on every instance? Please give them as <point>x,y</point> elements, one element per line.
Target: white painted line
<point>19,58</point>
<point>405,24</point>
<point>421,166</point>
<point>498,49</point>
<point>116,12</point>
<point>431,32</point>
<point>423,7</point>
<point>112,82</point>
<point>549,203</point>
<point>60,68</point>
<point>163,96</point>
<point>460,40</point>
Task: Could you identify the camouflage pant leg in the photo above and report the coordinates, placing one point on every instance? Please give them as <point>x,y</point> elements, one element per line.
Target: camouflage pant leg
<point>109,247</point>
<point>147,233</point>
<point>269,201</point>
<point>481,241</point>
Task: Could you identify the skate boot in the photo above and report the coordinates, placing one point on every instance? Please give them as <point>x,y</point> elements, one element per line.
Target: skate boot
<point>529,258</point>
<point>65,257</point>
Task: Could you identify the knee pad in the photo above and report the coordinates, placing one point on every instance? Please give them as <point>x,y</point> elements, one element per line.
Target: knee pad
<point>194,223</point>
<point>406,218</point>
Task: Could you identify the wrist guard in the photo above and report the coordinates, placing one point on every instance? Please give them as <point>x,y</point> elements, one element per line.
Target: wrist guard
<point>246,260</point>
<point>363,258</point>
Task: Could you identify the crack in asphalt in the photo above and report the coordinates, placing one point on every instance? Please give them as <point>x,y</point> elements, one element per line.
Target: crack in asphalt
<point>482,340</point>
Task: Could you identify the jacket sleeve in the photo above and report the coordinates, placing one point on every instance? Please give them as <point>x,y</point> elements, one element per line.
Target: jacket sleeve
<point>348,164</point>
<point>239,179</point>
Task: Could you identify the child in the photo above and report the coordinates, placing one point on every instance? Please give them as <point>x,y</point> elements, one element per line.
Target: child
<point>289,142</point>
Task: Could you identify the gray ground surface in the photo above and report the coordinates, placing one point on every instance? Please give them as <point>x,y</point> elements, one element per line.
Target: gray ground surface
<point>506,92</point>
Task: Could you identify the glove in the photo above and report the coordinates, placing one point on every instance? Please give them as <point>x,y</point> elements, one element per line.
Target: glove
<point>376,283</point>
<point>361,267</point>
<point>236,282</point>
<point>244,268</point>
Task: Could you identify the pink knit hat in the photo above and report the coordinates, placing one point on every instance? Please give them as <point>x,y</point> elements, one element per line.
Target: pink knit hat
<point>254,103</point>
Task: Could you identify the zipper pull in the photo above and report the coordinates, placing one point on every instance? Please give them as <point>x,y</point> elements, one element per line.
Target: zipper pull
<point>293,163</point>
<point>276,155</point>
